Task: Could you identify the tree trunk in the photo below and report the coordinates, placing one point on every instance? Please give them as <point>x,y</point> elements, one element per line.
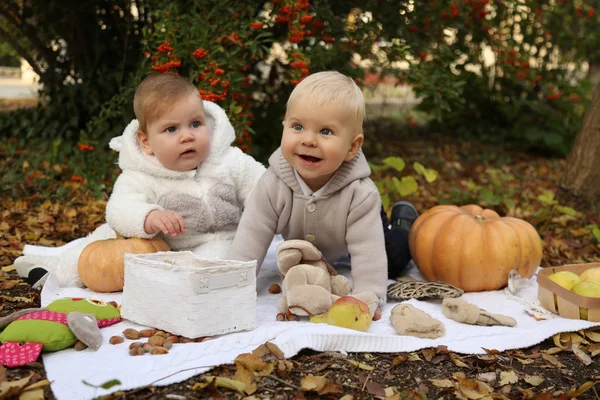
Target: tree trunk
<point>580,183</point>
<point>594,72</point>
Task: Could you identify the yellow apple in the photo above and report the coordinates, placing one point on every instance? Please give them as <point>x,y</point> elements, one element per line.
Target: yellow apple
<point>587,289</point>
<point>591,275</point>
<point>566,279</point>
<point>346,312</point>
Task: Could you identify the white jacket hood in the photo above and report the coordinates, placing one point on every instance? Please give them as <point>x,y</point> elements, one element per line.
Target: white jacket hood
<point>131,156</point>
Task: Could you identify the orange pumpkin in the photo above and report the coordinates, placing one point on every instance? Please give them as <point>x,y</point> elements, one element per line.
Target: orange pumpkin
<point>101,263</point>
<point>473,248</point>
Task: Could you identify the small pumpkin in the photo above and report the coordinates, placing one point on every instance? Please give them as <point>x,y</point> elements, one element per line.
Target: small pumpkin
<point>101,263</point>
<point>473,248</point>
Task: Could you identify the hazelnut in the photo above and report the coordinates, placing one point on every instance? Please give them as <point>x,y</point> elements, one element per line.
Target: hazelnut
<point>274,288</point>
<point>131,333</point>
<point>116,340</point>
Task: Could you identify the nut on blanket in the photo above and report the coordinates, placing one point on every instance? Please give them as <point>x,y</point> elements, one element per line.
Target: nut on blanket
<point>410,321</point>
<point>461,311</point>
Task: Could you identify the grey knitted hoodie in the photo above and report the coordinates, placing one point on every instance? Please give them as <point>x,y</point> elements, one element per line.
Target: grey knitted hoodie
<point>343,218</point>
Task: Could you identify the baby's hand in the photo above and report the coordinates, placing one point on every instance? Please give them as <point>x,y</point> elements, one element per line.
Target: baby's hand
<point>167,222</point>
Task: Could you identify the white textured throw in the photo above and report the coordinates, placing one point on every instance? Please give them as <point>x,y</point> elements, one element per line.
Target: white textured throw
<point>67,369</point>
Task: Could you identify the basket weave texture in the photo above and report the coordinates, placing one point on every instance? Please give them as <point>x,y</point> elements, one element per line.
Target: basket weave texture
<point>414,289</point>
<point>182,294</point>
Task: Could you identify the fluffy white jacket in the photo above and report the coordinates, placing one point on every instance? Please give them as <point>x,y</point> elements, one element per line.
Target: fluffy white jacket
<point>210,199</point>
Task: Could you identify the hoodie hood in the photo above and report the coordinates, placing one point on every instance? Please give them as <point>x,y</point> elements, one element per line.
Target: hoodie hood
<point>348,172</point>
<point>131,156</point>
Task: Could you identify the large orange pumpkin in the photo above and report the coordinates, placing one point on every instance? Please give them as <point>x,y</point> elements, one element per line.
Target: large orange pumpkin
<point>101,263</point>
<point>473,248</point>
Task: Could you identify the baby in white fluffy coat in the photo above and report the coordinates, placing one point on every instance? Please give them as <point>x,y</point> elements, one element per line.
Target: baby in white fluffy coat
<point>181,178</point>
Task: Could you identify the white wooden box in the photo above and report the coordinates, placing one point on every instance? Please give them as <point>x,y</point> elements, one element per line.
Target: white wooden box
<point>182,294</point>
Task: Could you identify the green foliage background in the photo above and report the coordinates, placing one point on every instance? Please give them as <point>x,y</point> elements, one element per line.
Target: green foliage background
<point>533,94</point>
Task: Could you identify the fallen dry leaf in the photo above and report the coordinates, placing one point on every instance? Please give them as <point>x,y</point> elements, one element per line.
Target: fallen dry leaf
<point>428,354</point>
<point>553,360</point>
<point>276,351</point>
<point>398,360</point>
<point>457,361</point>
<point>10,388</point>
<point>508,377</point>
<point>372,387</point>
<point>250,362</point>
<point>525,361</point>
<point>472,389</point>
<point>487,377</point>
<point>16,299</point>
<point>554,350</point>
<point>221,382</point>
<point>582,389</point>
<point>533,380</point>
<point>593,336</point>
<point>35,391</point>
<point>284,367</point>
<point>361,365</point>
<point>581,355</point>
<point>9,284</point>
<point>313,383</point>
<point>442,383</point>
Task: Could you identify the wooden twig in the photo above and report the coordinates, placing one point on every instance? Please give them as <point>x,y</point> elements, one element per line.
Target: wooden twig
<point>285,383</point>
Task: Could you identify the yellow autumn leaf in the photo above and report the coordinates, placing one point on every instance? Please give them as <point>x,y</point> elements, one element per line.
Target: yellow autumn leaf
<point>10,388</point>
<point>250,361</point>
<point>361,365</point>
<point>593,336</point>
<point>508,377</point>
<point>525,361</point>
<point>276,351</point>
<point>554,350</point>
<point>16,299</point>
<point>226,383</point>
<point>572,337</point>
<point>442,383</point>
<point>533,380</point>
<point>313,383</point>
<point>582,389</point>
<point>8,268</point>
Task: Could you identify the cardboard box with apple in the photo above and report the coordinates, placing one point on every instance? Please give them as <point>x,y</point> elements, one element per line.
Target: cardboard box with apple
<point>570,291</point>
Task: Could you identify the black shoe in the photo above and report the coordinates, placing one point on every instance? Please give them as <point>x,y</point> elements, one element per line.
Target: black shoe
<point>404,215</point>
<point>35,275</point>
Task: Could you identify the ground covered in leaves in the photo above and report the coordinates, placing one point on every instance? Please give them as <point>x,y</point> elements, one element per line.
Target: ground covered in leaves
<point>512,182</point>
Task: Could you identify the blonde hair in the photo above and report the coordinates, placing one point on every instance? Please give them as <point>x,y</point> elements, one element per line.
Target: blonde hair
<point>331,88</point>
<point>158,94</point>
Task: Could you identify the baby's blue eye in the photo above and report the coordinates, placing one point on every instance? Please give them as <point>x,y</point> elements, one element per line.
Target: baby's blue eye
<point>171,129</point>
<point>196,124</point>
<point>297,127</point>
<point>326,132</point>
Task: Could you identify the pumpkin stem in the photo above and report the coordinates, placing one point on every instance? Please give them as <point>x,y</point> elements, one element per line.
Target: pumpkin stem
<point>479,218</point>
